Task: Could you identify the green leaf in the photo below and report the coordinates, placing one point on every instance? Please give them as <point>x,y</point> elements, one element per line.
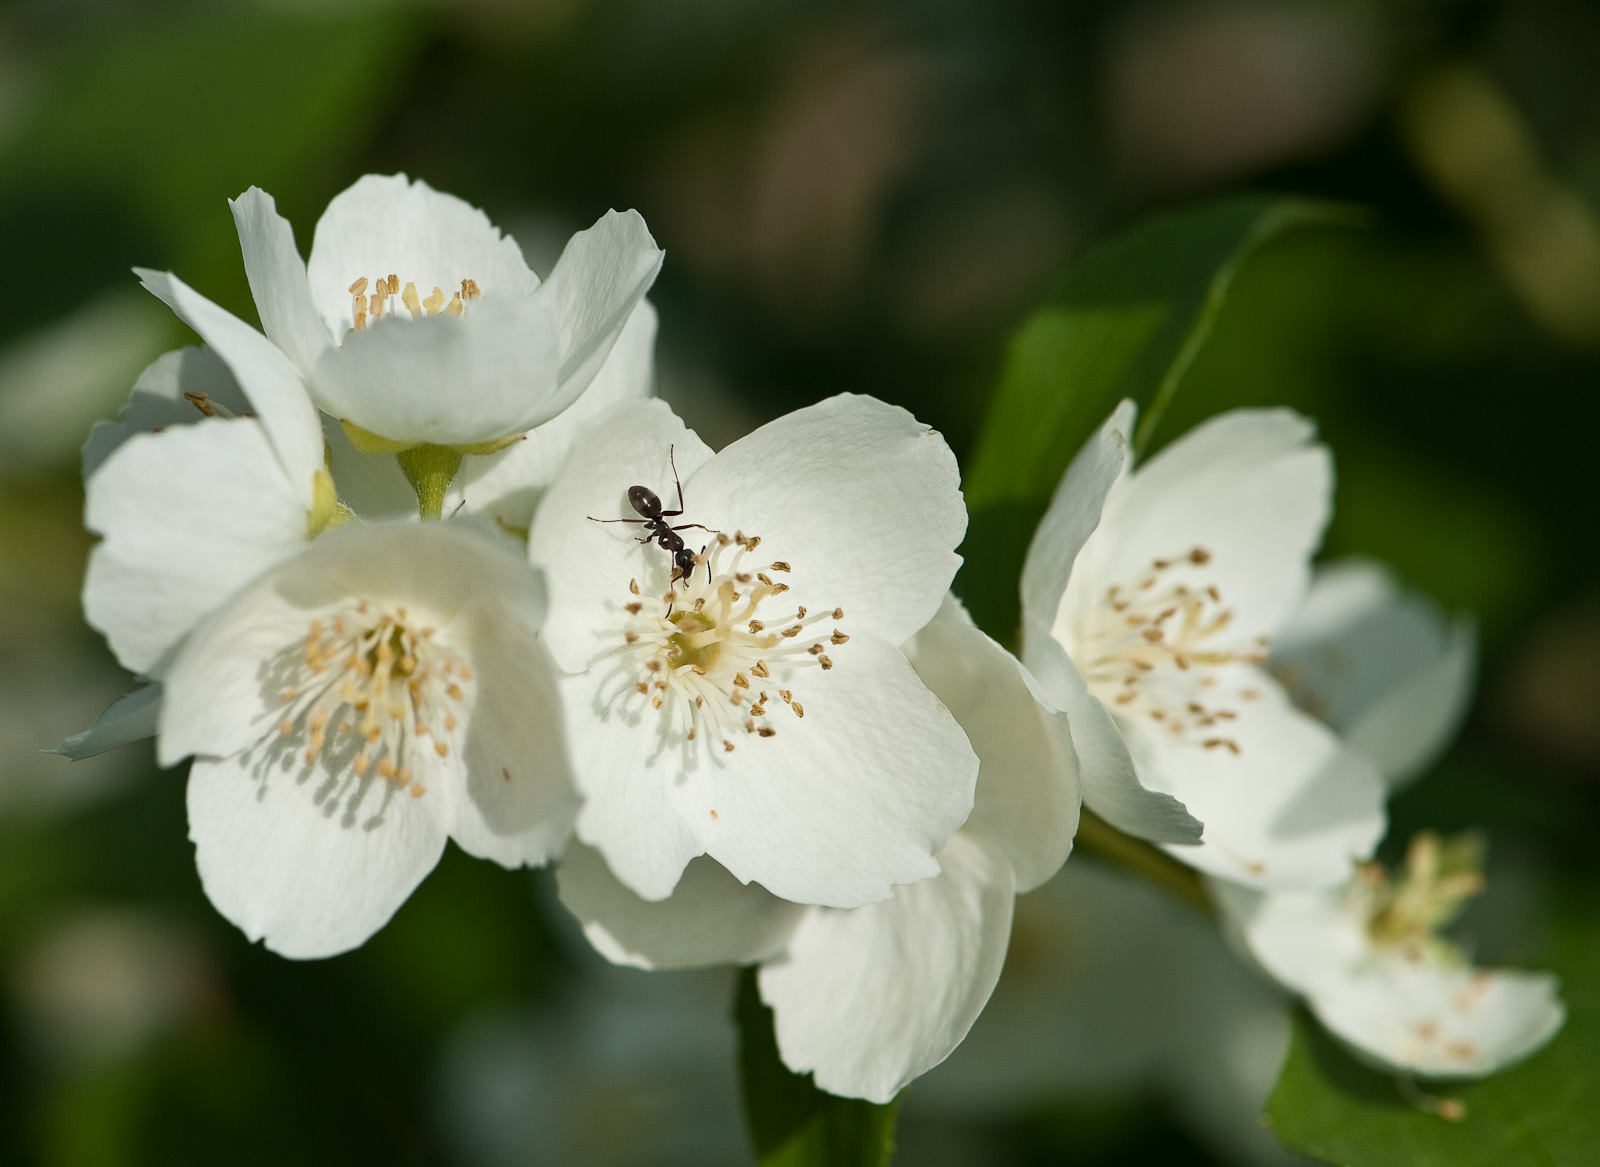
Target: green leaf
<point>792,1123</point>
<point>1539,1113</point>
<point>1126,321</point>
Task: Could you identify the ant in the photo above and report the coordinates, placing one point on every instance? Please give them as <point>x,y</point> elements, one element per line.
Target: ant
<point>654,521</point>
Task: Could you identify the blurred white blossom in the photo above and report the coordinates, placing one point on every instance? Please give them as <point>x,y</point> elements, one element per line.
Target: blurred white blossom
<point>1370,961</point>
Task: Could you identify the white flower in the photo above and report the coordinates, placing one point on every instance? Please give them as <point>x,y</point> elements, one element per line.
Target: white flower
<point>190,507</point>
<point>416,321</point>
<point>1153,594</point>
<point>869,998</point>
<point>349,710</point>
<point>759,709</point>
<point>1379,665</point>
<point>1370,964</point>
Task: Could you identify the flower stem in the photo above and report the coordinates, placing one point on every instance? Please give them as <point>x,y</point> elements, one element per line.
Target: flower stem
<point>1099,837</point>
<point>430,470</point>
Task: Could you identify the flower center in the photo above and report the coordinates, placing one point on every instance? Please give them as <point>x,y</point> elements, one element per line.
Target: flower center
<point>1151,649</point>
<point>715,655</point>
<point>1405,914</point>
<point>367,308</point>
<point>371,687</point>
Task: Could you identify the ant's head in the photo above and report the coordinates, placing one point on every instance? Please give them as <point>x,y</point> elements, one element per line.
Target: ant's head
<point>644,501</point>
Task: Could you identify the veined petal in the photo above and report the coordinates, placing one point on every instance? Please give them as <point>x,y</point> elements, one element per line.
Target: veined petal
<point>313,864</point>
<point>1378,664</point>
<point>188,516</point>
<point>1111,784</point>
<point>129,718</point>
<point>1237,505</point>
<point>869,999</point>
<point>508,485</point>
<point>710,918</point>
<point>602,274</point>
<point>588,564</point>
<point>1073,515</point>
<point>1285,804</point>
<point>862,498</point>
<point>158,401</point>
<point>488,375</point>
<point>520,802</point>
<point>387,224</point>
<point>277,277</point>
<point>1026,805</point>
<point>835,808</point>
<point>267,377</point>
<point>865,789</point>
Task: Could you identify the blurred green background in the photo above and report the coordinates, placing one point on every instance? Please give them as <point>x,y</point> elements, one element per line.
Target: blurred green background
<point>852,196</point>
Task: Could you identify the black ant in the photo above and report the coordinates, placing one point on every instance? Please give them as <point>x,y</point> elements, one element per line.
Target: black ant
<point>654,521</point>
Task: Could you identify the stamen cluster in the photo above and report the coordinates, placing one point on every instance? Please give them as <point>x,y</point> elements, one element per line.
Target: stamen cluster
<point>376,683</point>
<point>367,308</point>
<point>1142,636</point>
<point>699,653</point>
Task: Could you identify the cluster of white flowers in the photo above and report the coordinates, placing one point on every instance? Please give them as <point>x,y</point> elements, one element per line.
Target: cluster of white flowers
<point>425,561</point>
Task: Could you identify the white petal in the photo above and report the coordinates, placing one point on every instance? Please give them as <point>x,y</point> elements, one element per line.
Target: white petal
<point>188,516</point>
<point>384,224</point>
<point>488,375</point>
<point>1306,939</point>
<point>277,277</point>
<point>858,796</point>
<point>520,802</point>
<point>1073,515</point>
<point>507,485</point>
<point>1378,664</point>
<point>835,809</point>
<point>631,788</point>
<point>158,400</point>
<point>588,564</point>
<point>1416,1013</point>
<point>602,274</point>
<point>710,918</point>
<point>220,700</point>
<point>869,999</point>
<point>1111,784</point>
<point>1026,805</point>
<point>311,863</point>
<point>268,379</point>
<point>128,719</point>
<point>1292,809</point>
<point>1250,487</point>
<point>863,501</point>
<point>1442,1022</point>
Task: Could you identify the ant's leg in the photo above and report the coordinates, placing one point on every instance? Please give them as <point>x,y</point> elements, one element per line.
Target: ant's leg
<point>691,527</point>
<point>592,519</point>
<point>672,460</point>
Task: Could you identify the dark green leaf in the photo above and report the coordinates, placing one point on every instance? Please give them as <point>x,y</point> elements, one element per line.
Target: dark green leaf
<point>792,1123</point>
<point>1539,1113</point>
<point>1126,321</point>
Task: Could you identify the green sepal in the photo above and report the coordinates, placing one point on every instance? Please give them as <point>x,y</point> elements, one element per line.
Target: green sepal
<point>370,443</point>
<point>326,510</point>
<point>430,469</point>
